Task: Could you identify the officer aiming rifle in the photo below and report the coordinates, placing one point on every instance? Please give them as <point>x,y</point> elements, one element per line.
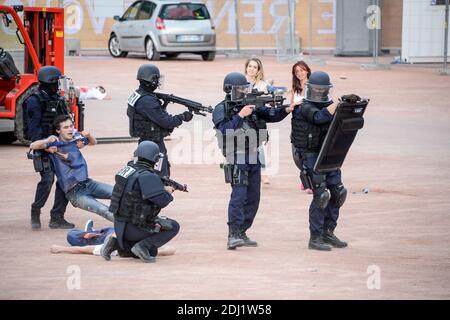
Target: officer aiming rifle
<point>148,118</point>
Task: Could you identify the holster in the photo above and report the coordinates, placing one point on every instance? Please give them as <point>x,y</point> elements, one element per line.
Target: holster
<point>305,179</point>
<point>235,175</point>
<point>40,162</point>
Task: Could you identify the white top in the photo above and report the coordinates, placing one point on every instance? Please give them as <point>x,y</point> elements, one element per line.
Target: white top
<point>260,85</point>
<point>298,98</point>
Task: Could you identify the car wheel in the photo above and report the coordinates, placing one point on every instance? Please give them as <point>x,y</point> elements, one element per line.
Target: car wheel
<point>208,56</point>
<point>114,48</point>
<point>7,137</point>
<point>172,54</point>
<point>150,50</point>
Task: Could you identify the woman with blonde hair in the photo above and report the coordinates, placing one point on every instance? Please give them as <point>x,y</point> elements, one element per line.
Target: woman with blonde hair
<point>254,73</point>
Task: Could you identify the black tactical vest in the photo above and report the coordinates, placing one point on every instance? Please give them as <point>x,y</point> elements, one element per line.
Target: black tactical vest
<point>246,133</point>
<point>306,136</point>
<point>127,204</point>
<point>51,108</point>
<point>141,126</point>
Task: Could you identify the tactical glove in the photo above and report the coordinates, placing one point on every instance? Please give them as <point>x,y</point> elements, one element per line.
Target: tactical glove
<point>187,116</point>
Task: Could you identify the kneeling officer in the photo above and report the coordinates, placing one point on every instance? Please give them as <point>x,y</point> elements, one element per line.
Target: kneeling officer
<point>138,197</point>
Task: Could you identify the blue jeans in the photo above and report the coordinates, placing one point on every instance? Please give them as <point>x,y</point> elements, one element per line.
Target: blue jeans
<point>85,194</point>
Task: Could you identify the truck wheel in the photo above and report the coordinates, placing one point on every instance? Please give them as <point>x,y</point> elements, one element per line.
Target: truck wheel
<point>7,137</point>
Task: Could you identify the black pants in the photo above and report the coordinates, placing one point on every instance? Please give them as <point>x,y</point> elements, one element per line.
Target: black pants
<point>244,199</point>
<point>129,234</point>
<point>43,190</point>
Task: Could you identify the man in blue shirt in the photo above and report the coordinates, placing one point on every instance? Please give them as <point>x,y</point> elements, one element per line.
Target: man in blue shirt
<point>71,167</point>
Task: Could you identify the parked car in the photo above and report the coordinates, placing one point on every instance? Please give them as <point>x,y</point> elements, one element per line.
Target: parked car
<point>162,27</point>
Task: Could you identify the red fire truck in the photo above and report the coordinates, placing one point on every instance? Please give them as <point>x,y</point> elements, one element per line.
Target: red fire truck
<point>26,44</point>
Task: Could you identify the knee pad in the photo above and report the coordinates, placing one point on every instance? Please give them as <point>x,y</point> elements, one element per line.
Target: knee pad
<point>175,227</point>
<point>338,195</point>
<point>321,195</point>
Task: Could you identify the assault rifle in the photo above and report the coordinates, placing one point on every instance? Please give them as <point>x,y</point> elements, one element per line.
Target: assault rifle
<point>260,99</point>
<point>193,106</point>
<point>172,183</point>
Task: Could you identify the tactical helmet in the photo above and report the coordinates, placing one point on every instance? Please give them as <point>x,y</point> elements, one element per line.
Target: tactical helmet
<point>149,151</point>
<point>318,87</point>
<point>149,73</point>
<point>236,84</point>
<point>49,74</point>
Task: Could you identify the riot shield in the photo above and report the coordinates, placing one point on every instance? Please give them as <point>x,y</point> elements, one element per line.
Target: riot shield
<point>348,119</point>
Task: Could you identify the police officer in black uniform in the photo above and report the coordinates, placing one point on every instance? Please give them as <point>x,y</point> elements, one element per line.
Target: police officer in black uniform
<point>148,119</point>
<point>138,197</point>
<point>241,129</point>
<point>41,108</point>
<point>310,122</point>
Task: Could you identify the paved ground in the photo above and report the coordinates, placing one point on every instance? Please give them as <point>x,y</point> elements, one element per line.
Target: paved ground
<point>397,233</point>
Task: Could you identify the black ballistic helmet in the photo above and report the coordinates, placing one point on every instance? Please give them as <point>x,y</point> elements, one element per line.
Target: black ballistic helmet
<point>149,73</point>
<point>148,150</point>
<point>318,87</point>
<point>49,75</point>
<point>233,79</point>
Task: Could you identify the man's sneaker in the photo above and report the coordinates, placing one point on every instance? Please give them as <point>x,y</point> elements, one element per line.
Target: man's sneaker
<point>329,238</point>
<point>89,226</point>
<point>142,253</point>
<point>316,243</point>
<point>35,221</point>
<point>108,247</point>
<point>247,241</point>
<point>60,223</point>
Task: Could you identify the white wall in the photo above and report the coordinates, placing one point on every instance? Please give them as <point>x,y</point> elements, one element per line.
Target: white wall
<point>423,31</point>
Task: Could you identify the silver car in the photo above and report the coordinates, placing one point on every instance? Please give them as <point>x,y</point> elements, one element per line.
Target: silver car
<point>164,27</point>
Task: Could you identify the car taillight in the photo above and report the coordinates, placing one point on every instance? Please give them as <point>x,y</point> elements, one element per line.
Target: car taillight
<point>160,24</point>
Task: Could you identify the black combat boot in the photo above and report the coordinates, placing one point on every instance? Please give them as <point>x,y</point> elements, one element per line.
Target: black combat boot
<point>35,219</point>
<point>316,243</point>
<point>60,223</point>
<point>234,239</point>
<point>108,247</point>
<point>140,250</point>
<point>247,241</point>
<point>329,238</point>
